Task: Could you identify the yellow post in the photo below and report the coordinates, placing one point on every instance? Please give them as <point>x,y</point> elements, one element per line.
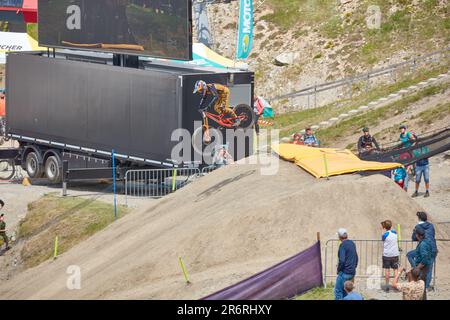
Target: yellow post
<point>174,180</point>
<point>326,165</point>
<point>186,276</point>
<point>55,252</point>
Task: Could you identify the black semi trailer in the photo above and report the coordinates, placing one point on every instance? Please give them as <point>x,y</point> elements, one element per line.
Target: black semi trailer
<point>76,108</point>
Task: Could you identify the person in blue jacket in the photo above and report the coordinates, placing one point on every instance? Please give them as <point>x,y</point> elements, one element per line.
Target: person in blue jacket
<point>430,235</point>
<point>348,261</point>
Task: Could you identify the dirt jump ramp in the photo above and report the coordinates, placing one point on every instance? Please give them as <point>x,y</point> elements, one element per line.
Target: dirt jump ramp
<point>226,226</point>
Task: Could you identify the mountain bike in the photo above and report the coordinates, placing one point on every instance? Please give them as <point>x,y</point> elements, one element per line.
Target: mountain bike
<point>203,135</point>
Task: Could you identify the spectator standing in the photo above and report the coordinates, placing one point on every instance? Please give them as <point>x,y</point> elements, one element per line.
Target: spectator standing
<point>412,290</point>
<point>367,143</point>
<point>309,139</point>
<point>3,227</point>
<point>430,235</point>
<point>258,108</point>
<point>391,252</point>
<point>407,138</point>
<point>347,263</point>
<point>422,168</point>
<point>423,256</point>
<point>222,158</point>
<point>351,295</point>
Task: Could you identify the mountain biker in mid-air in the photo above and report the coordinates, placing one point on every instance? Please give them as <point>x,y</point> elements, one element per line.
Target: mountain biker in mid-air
<point>220,100</point>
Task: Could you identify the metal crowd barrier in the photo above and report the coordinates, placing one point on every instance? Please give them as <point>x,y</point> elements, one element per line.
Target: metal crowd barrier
<point>370,254</point>
<point>157,183</point>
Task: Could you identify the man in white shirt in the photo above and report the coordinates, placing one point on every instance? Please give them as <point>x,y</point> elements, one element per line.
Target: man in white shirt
<point>391,252</point>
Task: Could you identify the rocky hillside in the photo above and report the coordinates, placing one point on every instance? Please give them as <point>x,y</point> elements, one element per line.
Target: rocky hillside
<point>302,42</point>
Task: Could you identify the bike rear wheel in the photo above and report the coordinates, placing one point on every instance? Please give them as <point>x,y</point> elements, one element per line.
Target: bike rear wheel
<point>246,114</point>
<point>7,169</point>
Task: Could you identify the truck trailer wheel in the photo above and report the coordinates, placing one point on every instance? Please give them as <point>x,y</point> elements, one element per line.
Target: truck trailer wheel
<point>32,165</point>
<point>53,169</point>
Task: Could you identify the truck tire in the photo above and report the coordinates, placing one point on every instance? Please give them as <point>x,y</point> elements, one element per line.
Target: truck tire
<point>53,170</point>
<point>32,166</point>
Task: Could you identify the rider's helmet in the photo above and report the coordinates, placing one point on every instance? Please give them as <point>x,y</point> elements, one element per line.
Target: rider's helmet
<point>200,85</point>
<point>365,129</point>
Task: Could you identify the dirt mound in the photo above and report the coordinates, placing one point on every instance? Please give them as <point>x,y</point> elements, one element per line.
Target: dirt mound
<point>226,226</point>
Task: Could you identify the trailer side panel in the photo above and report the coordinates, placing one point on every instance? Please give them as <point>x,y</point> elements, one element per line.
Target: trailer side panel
<point>93,105</point>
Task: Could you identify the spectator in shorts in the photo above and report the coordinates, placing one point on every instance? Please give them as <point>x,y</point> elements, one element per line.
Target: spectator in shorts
<point>351,295</point>
<point>422,168</point>
<point>390,251</point>
<point>348,261</point>
<point>413,289</point>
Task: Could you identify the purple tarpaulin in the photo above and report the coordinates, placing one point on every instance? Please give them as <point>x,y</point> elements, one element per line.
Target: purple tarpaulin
<point>291,277</point>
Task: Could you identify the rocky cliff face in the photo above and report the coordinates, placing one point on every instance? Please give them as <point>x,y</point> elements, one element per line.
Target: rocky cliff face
<point>302,42</point>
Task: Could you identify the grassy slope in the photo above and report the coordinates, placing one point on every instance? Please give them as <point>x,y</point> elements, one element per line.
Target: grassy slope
<point>351,126</point>
<point>295,121</point>
<point>408,27</point>
<point>71,219</point>
<point>318,294</point>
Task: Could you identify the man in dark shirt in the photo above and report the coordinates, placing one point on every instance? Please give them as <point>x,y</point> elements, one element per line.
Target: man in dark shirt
<point>348,261</point>
<point>430,235</point>
<point>367,143</point>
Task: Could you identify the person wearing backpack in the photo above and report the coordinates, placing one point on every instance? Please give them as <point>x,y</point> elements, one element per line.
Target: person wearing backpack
<point>407,138</point>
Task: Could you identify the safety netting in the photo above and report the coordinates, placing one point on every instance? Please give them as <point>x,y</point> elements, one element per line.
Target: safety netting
<point>426,146</point>
<point>287,279</point>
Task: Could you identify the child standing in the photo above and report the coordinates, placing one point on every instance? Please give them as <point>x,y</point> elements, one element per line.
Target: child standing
<point>391,252</point>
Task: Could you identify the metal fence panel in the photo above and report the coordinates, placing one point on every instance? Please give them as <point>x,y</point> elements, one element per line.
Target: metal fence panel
<point>157,183</point>
<point>370,254</point>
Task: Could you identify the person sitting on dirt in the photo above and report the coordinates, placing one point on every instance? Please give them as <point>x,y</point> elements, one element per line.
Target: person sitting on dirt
<point>407,138</point>
<point>430,234</point>
<point>391,253</point>
<point>3,227</point>
<point>297,139</point>
<point>309,139</point>
<point>222,158</point>
<point>351,295</point>
<point>220,98</point>
<point>413,289</point>
<point>400,175</point>
<point>367,143</point>
<point>347,263</point>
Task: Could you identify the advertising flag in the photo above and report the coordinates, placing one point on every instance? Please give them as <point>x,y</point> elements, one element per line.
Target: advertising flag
<point>245,32</point>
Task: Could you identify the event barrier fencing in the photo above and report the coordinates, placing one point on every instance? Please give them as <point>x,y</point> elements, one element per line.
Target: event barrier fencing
<point>157,183</point>
<point>370,254</point>
<point>285,280</point>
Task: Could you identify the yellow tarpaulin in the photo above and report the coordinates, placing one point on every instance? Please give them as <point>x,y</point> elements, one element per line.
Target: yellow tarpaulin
<point>325,162</point>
